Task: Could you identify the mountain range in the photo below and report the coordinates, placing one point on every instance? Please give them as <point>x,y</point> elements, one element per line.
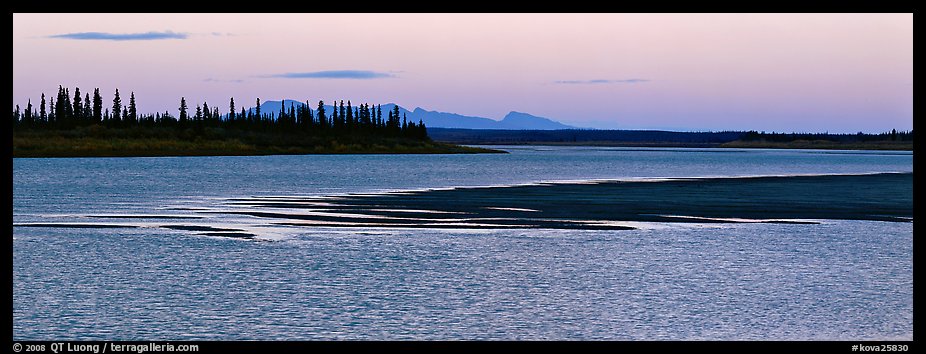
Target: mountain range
<point>434,119</point>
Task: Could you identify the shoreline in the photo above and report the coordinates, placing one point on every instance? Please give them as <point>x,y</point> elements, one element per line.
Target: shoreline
<point>86,146</point>
<point>797,145</point>
<point>67,147</point>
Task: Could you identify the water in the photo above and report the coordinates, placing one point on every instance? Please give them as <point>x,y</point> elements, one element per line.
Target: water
<point>837,280</point>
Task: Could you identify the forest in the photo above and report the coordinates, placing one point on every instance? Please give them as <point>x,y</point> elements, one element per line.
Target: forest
<point>80,124</point>
<point>63,113</point>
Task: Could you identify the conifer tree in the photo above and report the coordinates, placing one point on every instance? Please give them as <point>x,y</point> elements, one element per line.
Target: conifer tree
<point>231,109</point>
<point>117,109</point>
<point>68,109</point>
<point>320,112</point>
<point>133,110</point>
<point>78,107</point>
<point>183,116</point>
<point>97,106</point>
<point>88,109</point>
<point>43,116</point>
<point>27,116</point>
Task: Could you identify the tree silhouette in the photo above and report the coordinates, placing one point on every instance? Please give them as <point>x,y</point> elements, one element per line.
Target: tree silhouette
<point>52,120</point>
<point>97,106</point>
<point>320,112</point>
<point>117,109</point>
<point>231,109</point>
<point>183,116</point>
<point>68,109</point>
<point>207,114</point>
<point>43,116</point>
<point>27,116</point>
<point>353,122</point>
<point>88,109</point>
<point>133,111</point>
<point>78,107</point>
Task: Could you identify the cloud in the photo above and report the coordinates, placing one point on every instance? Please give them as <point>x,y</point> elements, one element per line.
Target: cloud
<point>601,81</point>
<point>146,36</point>
<point>336,74</point>
<point>210,79</point>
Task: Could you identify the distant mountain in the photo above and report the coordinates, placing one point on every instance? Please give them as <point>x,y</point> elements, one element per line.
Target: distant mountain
<point>512,121</point>
<point>518,120</point>
<point>452,120</point>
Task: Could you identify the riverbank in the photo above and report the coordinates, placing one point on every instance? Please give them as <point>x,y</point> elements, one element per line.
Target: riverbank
<point>738,144</point>
<point>128,144</point>
<point>822,145</point>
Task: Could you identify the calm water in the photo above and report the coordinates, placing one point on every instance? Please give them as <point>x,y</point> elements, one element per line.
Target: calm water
<point>834,280</point>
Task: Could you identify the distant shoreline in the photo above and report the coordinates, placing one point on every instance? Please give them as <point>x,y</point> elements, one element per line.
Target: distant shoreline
<point>821,145</point>
<point>891,140</point>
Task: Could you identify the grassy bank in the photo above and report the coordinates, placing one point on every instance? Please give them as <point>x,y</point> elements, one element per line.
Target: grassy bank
<point>101,142</point>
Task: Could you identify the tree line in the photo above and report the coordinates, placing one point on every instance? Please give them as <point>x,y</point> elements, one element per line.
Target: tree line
<point>892,135</point>
<point>64,112</point>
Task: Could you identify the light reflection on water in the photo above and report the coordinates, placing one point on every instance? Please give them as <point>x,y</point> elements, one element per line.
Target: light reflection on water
<point>749,281</point>
<point>837,280</point>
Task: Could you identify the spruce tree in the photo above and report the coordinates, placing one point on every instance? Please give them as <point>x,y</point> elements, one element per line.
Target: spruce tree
<point>27,116</point>
<point>52,120</point>
<point>341,115</point>
<point>334,114</point>
<point>60,114</point>
<point>68,109</point>
<point>43,116</point>
<point>78,107</point>
<point>97,106</point>
<point>379,115</point>
<point>117,109</point>
<point>88,109</point>
<point>320,112</point>
<point>231,109</point>
<point>404,123</point>
<point>183,116</point>
<point>350,116</point>
<point>133,110</point>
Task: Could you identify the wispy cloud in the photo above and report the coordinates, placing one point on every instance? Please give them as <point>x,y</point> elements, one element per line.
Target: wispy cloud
<point>336,74</point>
<point>211,79</point>
<point>105,36</point>
<point>601,81</point>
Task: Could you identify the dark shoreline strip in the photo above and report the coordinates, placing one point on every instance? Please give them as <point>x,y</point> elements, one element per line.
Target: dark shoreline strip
<point>143,217</point>
<point>771,199</point>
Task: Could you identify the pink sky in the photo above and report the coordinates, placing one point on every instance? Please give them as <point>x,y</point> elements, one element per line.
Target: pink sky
<point>782,72</point>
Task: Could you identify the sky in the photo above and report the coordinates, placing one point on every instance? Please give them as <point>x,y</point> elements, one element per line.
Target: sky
<point>692,72</point>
